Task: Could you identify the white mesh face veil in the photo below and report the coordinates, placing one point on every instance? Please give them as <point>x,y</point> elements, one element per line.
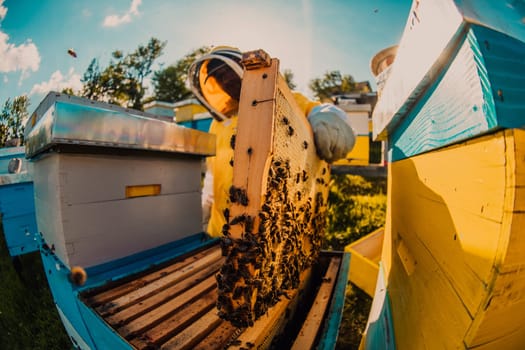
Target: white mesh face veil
<point>228,58</point>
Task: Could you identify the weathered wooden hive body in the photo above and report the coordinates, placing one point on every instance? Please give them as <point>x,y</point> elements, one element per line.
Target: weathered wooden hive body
<point>17,207</point>
<point>453,113</point>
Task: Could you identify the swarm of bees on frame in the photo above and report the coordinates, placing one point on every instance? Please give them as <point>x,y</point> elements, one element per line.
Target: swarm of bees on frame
<point>278,244</point>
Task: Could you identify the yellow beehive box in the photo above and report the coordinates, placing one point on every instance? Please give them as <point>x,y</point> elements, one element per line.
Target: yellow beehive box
<point>364,263</point>
<point>454,250</point>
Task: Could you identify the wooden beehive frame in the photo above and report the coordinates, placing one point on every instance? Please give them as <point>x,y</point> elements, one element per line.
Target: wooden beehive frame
<point>278,198</point>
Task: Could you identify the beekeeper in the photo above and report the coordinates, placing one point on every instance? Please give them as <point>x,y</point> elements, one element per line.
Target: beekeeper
<point>215,80</point>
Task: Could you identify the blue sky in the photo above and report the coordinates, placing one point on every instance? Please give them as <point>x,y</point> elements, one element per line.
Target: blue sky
<point>310,37</point>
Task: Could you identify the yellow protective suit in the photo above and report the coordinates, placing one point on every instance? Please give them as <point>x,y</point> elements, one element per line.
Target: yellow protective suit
<point>221,169</point>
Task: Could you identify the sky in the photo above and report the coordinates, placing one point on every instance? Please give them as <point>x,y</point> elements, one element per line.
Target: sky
<point>309,37</point>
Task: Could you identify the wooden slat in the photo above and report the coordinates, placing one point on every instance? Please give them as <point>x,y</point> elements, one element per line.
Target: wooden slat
<point>153,318</point>
<point>310,328</point>
<point>177,322</point>
<point>115,292</point>
<point>194,333</point>
<point>160,284</point>
<point>136,310</point>
<point>220,337</point>
<point>269,325</point>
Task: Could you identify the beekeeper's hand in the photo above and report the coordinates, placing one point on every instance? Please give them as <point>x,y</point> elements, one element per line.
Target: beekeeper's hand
<point>207,199</point>
<point>333,134</point>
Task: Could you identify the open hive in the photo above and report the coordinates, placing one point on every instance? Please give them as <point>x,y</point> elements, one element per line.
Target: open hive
<point>278,198</point>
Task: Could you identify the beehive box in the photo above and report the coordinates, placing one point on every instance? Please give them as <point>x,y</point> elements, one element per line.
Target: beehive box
<point>453,250</point>
<point>111,182</point>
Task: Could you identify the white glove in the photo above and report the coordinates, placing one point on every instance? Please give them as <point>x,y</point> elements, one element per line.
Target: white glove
<point>333,134</point>
<point>207,199</point>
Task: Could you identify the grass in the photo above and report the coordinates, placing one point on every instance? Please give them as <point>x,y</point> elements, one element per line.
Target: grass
<point>28,317</point>
<point>355,316</point>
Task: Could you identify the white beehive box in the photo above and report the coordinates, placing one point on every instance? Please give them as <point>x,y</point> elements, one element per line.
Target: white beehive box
<point>111,182</point>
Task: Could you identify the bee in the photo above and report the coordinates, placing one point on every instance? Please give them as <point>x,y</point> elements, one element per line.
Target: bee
<point>237,293</point>
<point>286,121</point>
<point>248,224</point>
<point>232,141</point>
<point>290,131</point>
<point>238,219</point>
<point>305,145</point>
<point>250,151</point>
<point>226,230</point>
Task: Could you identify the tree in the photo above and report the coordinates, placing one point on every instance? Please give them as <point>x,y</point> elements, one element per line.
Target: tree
<point>170,83</point>
<point>288,77</point>
<point>122,81</point>
<point>334,83</point>
<point>12,116</point>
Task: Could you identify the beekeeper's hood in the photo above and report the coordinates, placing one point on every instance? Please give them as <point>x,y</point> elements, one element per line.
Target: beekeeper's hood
<point>215,79</point>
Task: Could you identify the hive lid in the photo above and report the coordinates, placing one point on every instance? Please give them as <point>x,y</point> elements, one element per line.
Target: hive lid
<point>62,119</point>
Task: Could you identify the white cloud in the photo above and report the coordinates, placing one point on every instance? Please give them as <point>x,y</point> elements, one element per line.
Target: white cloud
<point>3,10</point>
<point>116,20</point>
<point>24,57</point>
<point>58,82</point>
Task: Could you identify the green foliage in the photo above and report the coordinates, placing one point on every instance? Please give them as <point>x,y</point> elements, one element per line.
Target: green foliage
<point>334,83</point>
<point>288,77</point>
<point>12,118</point>
<point>355,316</point>
<point>28,316</point>
<point>356,207</point>
<point>122,81</point>
<point>170,83</point>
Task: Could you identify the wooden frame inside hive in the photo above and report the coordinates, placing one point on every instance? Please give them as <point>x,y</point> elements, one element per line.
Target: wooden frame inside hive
<point>278,198</point>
